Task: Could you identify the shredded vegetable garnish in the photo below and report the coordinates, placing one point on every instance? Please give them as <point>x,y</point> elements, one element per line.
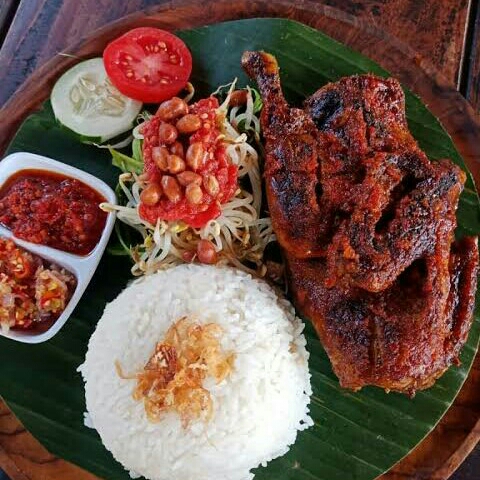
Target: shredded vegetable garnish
<point>172,379</point>
<point>239,235</point>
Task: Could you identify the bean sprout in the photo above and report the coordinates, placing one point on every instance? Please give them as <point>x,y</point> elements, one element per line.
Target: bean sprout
<point>240,234</point>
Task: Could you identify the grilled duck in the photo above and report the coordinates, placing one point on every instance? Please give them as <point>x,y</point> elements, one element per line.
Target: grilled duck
<point>366,225</point>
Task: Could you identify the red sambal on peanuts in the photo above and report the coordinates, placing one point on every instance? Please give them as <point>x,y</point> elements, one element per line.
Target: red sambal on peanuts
<point>33,292</point>
<point>52,209</point>
<point>186,165</point>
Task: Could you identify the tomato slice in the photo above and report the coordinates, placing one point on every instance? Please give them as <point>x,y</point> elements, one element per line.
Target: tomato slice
<point>148,64</point>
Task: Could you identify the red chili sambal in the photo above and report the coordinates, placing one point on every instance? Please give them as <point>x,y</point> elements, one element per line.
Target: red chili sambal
<point>52,209</point>
<point>33,292</point>
<point>189,173</point>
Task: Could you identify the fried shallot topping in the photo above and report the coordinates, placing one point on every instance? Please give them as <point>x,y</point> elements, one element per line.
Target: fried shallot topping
<point>172,379</point>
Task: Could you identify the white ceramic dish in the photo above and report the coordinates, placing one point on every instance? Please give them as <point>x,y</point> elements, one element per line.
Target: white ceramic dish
<point>83,267</point>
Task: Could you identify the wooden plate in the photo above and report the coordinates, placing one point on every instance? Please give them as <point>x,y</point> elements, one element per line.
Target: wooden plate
<point>443,449</point>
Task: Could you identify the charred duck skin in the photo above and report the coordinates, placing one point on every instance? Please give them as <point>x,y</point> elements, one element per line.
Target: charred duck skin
<point>366,225</point>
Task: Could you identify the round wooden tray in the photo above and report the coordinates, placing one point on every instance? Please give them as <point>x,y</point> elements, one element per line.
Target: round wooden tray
<point>442,451</point>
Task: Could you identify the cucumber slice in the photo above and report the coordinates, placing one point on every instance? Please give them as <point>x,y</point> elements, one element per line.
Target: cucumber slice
<point>84,100</point>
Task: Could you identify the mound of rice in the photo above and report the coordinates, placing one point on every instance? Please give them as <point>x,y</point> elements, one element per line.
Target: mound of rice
<point>257,409</point>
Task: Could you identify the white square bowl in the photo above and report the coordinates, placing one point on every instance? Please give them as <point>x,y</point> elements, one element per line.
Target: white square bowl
<point>83,267</point>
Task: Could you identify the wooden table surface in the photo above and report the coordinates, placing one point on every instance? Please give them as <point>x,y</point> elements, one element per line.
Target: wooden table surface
<point>444,32</point>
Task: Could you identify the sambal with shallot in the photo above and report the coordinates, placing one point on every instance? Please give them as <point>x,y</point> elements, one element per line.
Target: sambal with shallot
<point>33,292</point>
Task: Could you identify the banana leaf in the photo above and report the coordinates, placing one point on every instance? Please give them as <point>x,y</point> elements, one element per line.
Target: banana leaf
<point>356,435</point>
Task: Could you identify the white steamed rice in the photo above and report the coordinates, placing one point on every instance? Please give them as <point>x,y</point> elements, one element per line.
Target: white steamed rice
<point>258,409</point>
